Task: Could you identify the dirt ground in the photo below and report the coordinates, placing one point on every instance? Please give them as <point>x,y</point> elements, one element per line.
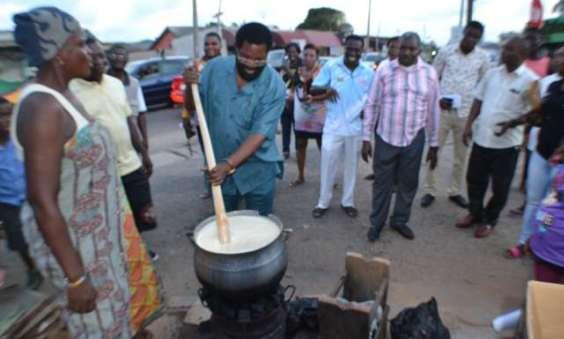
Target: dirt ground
<point>470,278</point>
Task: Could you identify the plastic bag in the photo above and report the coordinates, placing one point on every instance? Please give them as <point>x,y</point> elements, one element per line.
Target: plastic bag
<point>302,315</point>
<point>421,322</point>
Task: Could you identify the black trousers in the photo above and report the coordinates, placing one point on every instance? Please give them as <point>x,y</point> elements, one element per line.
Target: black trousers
<point>10,220</point>
<point>138,191</point>
<point>287,121</point>
<point>395,164</point>
<point>490,165</point>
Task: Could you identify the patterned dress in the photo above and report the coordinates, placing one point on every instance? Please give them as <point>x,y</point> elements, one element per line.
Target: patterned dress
<point>308,117</point>
<point>102,230</point>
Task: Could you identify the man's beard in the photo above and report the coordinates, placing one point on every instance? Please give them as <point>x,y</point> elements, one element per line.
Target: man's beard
<point>248,76</point>
<point>351,60</point>
<point>96,75</point>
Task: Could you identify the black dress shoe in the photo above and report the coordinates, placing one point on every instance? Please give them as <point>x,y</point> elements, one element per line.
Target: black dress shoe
<point>405,231</point>
<point>427,200</point>
<point>373,234</point>
<point>318,212</point>
<point>350,211</point>
<point>459,201</point>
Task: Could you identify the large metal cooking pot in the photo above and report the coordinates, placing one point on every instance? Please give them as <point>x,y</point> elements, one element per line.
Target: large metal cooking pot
<point>242,276</point>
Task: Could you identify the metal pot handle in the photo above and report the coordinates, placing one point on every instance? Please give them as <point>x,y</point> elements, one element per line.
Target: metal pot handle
<point>291,288</point>
<point>190,236</point>
<point>287,232</point>
<point>203,300</point>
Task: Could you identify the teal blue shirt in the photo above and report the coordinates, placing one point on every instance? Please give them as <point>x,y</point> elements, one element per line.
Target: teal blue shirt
<point>233,114</point>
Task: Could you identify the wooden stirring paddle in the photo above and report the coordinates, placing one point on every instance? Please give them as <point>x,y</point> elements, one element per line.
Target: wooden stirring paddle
<point>218,204</point>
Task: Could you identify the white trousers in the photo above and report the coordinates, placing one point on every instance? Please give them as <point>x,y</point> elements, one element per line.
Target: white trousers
<point>337,151</point>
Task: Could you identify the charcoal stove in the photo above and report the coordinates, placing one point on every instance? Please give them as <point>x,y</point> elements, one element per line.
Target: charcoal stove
<point>263,317</point>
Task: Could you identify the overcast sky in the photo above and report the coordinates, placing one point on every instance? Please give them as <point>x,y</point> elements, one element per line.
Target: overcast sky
<point>132,20</point>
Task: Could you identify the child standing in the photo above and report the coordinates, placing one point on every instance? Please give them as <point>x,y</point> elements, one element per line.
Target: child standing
<point>12,196</point>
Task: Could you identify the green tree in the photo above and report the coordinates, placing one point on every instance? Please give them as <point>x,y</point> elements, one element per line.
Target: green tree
<point>323,19</point>
<point>345,30</point>
<point>559,7</point>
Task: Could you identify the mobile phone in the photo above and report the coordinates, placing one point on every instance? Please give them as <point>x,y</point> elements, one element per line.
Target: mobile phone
<point>448,102</point>
<point>315,91</point>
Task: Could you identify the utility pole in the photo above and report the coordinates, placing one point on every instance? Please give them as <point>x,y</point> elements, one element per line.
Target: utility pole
<point>461,16</point>
<point>470,11</point>
<point>368,25</point>
<point>378,37</point>
<point>195,29</point>
<point>218,16</point>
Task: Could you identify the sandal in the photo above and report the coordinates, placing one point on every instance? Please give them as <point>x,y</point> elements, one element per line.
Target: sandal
<point>517,212</point>
<point>516,252</point>
<point>297,182</point>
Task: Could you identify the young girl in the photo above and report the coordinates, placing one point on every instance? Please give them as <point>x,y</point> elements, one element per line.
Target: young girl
<point>547,244</point>
<point>12,194</point>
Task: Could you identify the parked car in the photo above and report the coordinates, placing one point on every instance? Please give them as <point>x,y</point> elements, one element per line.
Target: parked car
<point>372,59</point>
<point>155,76</point>
<point>275,58</point>
<point>324,59</point>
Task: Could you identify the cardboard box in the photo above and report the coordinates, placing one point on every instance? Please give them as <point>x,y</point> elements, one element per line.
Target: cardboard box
<point>359,303</point>
<point>545,310</point>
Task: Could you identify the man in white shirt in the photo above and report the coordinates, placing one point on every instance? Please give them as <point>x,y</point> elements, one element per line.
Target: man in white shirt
<point>345,83</point>
<point>506,92</point>
<point>541,146</point>
<point>118,57</point>
<point>104,98</point>
<point>460,68</point>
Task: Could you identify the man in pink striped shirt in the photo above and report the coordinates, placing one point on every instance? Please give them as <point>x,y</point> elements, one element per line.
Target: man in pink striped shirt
<point>402,109</point>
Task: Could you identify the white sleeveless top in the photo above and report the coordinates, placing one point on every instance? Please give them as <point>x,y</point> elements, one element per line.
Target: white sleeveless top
<point>78,118</point>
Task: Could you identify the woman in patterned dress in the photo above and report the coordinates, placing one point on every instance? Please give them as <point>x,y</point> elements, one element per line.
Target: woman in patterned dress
<point>76,221</point>
<point>309,116</point>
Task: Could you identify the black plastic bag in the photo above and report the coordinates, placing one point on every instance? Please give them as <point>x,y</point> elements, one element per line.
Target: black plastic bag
<point>421,322</point>
<point>302,315</point>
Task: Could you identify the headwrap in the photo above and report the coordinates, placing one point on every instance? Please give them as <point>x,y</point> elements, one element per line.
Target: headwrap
<point>42,32</point>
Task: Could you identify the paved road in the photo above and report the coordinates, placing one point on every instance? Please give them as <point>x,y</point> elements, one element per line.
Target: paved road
<point>469,277</point>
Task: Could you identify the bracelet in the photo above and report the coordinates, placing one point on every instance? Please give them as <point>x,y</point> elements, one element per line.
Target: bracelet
<point>77,282</point>
<point>232,170</point>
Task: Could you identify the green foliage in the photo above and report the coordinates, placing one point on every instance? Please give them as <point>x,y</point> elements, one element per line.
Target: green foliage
<point>559,7</point>
<point>345,30</point>
<point>323,19</point>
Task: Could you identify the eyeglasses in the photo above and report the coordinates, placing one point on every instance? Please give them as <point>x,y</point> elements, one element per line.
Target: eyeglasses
<point>251,62</point>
